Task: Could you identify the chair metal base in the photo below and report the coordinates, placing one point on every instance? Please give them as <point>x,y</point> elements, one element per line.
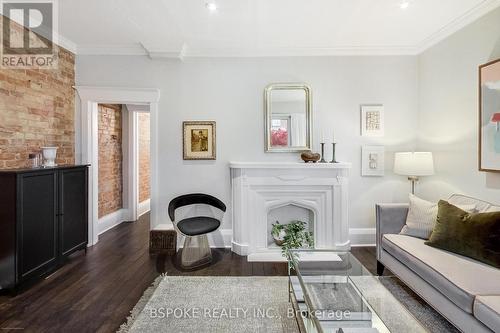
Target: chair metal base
<point>196,252</point>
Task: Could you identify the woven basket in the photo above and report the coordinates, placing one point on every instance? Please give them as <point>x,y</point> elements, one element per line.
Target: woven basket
<point>162,242</point>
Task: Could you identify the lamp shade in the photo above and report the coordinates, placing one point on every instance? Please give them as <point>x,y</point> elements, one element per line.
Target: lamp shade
<point>414,164</point>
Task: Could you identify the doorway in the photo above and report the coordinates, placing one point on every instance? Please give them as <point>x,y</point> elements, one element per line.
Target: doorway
<point>144,142</point>
<point>87,150</point>
<point>137,151</point>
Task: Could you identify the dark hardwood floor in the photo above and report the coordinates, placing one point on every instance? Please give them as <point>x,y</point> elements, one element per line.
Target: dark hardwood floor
<point>96,291</point>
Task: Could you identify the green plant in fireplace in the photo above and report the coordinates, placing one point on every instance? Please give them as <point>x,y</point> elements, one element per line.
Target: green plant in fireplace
<point>292,235</point>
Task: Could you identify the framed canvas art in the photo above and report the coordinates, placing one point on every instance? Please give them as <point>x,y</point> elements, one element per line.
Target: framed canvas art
<point>199,140</point>
<point>372,120</point>
<point>489,116</point>
<point>372,161</point>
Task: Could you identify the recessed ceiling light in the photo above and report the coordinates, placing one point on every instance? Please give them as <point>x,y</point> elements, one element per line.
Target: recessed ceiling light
<point>211,6</point>
<point>404,4</point>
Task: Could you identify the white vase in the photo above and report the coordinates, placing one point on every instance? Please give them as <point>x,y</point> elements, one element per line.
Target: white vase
<point>49,156</point>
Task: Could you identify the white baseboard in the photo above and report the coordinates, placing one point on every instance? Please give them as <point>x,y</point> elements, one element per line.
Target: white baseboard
<point>362,236</point>
<point>240,249</point>
<point>110,221</point>
<point>143,207</point>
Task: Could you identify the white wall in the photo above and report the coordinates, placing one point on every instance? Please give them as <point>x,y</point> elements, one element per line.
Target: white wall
<point>230,91</point>
<point>448,117</point>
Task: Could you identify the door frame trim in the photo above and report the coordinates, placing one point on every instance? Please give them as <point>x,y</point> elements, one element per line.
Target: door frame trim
<point>87,149</point>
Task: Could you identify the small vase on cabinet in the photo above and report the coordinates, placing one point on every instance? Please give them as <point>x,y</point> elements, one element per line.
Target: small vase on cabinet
<point>49,156</point>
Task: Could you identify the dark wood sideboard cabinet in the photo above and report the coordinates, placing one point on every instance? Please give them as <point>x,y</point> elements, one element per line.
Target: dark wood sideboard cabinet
<point>43,219</point>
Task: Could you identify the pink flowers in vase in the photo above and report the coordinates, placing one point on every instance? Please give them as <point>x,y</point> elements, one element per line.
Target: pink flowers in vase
<point>279,137</point>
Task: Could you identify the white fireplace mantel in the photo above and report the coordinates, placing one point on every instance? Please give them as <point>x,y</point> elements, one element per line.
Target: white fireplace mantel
<point>288,165</point>
<point>258,187</point>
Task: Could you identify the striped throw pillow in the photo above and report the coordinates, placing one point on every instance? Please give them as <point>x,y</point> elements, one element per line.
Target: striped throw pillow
<point>422,217</point>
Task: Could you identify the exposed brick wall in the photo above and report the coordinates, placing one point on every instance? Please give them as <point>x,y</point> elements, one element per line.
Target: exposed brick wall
<point>144,169</point>
<point>110,159</point>
<point>37,109</point>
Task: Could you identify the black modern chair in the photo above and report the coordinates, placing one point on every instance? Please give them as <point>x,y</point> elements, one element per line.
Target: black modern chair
<point>196,251</point>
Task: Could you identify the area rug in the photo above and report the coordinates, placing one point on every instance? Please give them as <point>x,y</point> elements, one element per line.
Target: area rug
<point>214,304</point>
<point>243,304</point>
<point>423,312</point>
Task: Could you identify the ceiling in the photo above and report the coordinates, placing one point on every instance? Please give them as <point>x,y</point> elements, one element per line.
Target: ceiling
<point>186,28</point>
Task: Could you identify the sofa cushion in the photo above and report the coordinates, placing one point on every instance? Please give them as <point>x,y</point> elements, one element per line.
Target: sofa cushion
<point>459,199</point>
<point>481,206</point>
<point>455,276</point>
<point>422,215</point>
<point>421,218</point>
<point>487,310</point>
<point>476,236</point>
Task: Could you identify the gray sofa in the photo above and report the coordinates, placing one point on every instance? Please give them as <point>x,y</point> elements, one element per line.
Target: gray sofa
<point>464,291</point>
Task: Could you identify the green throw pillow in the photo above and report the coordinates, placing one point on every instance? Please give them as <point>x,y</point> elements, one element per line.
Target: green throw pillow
<point>474,235</point>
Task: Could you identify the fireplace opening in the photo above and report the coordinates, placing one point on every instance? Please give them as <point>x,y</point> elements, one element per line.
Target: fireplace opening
<point>287,214</point>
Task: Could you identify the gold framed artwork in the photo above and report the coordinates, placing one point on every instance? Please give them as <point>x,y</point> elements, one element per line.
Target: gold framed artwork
<point>199,140</point>
<point>489,116</point>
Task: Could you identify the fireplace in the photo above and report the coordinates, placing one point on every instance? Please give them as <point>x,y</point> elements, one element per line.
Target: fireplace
<point>286,214</point>
<point>263,192</point>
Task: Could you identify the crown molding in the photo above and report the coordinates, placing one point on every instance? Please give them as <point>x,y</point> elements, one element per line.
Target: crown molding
<point>112,50</point>
<point>154,52</point>
<point>183,51</point>
<point>159,52</point>
<point>140,49</point>
<point>299,51</point>
<point>467,18</point>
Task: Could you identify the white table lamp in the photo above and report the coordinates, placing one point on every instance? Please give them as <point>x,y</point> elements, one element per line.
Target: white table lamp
<point>414,165</point>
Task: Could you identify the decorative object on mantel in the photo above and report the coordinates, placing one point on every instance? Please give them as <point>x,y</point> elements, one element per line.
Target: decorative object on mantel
<point>414,165</point>
<point>292,235</point>
<point>199,140</point>
<point>372,120</point>
<point>334,144</point>
<point>308,156</point>
<point>49,155</point>
<point>489,116</point>
<point>372,161</point>
<point>322,153</point>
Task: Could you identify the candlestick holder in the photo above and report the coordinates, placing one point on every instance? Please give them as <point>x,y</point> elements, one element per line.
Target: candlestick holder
<point>322,153</point>
<point>333,154</point>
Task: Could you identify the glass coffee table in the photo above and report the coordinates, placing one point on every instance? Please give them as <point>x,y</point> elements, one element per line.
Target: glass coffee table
<point>333,292</point>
